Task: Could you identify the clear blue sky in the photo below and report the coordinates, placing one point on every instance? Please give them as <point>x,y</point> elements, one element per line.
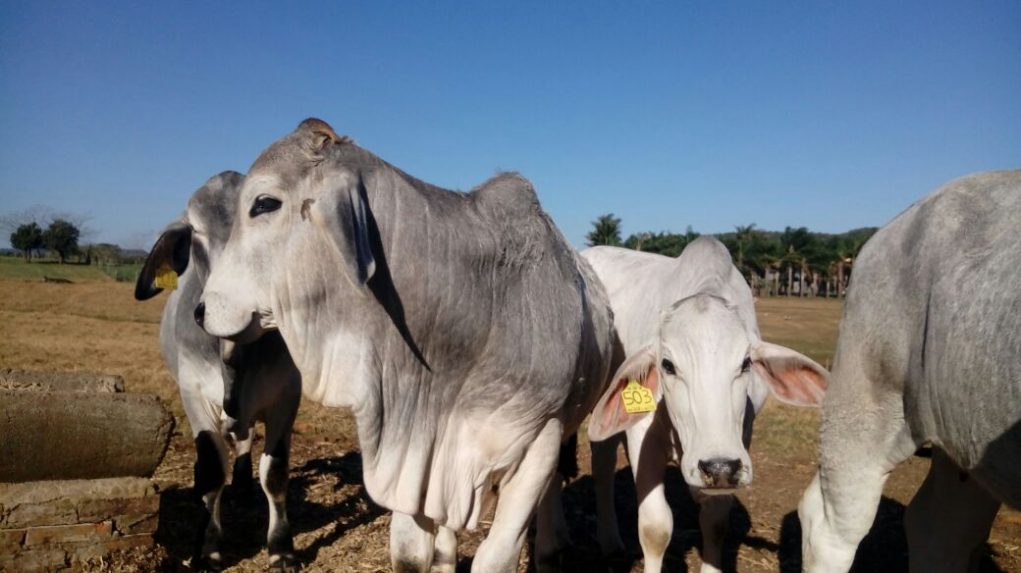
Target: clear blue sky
<point>831,115</point>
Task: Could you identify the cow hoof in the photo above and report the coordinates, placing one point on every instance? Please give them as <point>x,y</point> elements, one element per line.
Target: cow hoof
<point>284,564</point>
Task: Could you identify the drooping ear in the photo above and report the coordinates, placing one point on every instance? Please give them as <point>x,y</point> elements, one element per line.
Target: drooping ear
<point>611,416</point>
<point>792,377</point>
<point>346,211</point>
<point>319,135</point>
<point>172,250</point>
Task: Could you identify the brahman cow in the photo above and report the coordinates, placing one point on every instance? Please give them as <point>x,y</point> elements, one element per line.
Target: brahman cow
<point>462,330</point>
<point>695,374</point>
<point>224,387</point>
<point>929,353</point>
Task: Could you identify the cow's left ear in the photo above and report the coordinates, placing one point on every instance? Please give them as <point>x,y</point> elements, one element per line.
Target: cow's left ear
<point>172,249</point>
<point>792,377</point>
<point>622,405</point>
<point>346,210</point>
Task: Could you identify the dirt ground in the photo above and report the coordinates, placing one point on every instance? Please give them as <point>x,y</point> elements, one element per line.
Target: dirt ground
<point>98,326</point>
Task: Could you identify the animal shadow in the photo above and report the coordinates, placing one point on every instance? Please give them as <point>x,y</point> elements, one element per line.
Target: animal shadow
<point>885,547</point>
<point>245,513</point>
<point>585,556</point>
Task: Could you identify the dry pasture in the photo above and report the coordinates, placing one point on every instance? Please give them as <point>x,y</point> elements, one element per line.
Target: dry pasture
<point>98,326</point>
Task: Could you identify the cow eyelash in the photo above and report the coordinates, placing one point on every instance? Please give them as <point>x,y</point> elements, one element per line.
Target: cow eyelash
<point>668,367</point>
<point>264,204</point>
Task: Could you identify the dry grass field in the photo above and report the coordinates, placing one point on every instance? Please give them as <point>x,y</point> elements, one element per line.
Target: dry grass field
<point>96,325</point>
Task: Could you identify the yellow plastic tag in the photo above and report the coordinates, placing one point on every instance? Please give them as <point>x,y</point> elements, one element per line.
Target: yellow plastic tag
<point>166,278</point>
<point>637,398</point>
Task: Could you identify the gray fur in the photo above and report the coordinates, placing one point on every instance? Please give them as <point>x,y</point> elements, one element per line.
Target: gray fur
<point>456,325</point>
<point>928,352</point>
<point>935,314</point>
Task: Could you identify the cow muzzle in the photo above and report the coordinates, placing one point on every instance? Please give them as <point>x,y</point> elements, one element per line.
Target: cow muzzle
<point>720,473</point>
<point>219,317</point>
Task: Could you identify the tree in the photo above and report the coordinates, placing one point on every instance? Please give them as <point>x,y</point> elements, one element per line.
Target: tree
<point>743,235</point>
<point>796,243</point>
<point>605,231</point>
<point>103,253</point>
<point>27,238</point>
<point>62,237</point>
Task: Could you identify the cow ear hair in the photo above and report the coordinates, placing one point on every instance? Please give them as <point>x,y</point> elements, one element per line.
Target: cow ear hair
<point>319,135</point>
<point>610,417</point>
<point>348,216</point>
<point>793,378</point>
<point>172,249</point>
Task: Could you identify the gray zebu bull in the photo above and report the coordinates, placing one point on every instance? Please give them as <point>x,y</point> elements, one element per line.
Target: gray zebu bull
<point>461,328</point>
<point>257,381</point>
<point>929,352</point>
<point>690,336</point>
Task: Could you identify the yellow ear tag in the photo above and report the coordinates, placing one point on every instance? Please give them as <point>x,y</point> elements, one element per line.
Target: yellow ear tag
<point>166,278</point>
<point>637,398</point>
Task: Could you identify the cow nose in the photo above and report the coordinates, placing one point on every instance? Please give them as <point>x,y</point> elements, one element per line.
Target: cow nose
<point>200,313</point>
<point>719,472</point>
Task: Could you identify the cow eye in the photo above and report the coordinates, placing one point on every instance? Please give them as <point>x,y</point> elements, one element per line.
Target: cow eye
<point>746,365</point>
<point>264,204</point>
<point>668,367</point>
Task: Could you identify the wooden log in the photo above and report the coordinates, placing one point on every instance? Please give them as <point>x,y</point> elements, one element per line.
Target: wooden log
<point>13,379</point>
<point>58,435</point>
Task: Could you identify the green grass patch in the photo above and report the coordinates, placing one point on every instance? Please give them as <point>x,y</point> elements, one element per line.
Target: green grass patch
<point>37,270</point>
<point>122,273</point>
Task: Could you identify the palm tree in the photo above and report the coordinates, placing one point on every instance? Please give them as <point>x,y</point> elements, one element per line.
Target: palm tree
<point>743,235</point>
<point>605,231</point>
<point>641,238</point>
<point>796,243</point>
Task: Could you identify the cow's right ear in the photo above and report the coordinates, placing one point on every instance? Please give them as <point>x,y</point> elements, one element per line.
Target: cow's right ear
<point>345,209</point>
<point>620,408</point>
<point>172,250</point>
<point>317,136</point>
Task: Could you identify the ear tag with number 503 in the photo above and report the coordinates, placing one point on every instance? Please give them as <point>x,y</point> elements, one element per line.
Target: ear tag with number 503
<point>166,278</point>
<point>637,398</point>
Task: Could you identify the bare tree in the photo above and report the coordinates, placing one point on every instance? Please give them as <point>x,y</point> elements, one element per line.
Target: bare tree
<point>44,216</point>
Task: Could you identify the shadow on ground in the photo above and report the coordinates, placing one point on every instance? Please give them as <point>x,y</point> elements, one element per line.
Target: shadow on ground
<point>245,519</point>
<point>883,549</point>
<point>245,514</point>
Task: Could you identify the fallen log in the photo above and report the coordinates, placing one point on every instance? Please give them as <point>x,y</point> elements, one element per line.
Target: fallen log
<point>47,381</point>
<point>58,435</point>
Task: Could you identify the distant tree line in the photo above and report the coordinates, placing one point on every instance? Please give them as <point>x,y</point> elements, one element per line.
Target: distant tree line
<point>792,262</point>
<point>40,231</point>
<point>61,237</point>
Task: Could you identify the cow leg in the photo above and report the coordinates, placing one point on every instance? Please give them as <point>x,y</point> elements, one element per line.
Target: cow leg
<point>273,474</point>
<point>445,552</point>
<point>519,496</point>
<point>948,519</point>
<point>864,436</point>
<point>210,475</point>
<point>551,533</point>
<point>713,518</point>
<point>648,453</point>
<point>241,480</point>
<point>552,536</point>
<point>412,542</point>
<point>604,466</point>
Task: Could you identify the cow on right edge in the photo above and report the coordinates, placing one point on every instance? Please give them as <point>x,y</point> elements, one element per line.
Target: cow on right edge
<point>929,353</point>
